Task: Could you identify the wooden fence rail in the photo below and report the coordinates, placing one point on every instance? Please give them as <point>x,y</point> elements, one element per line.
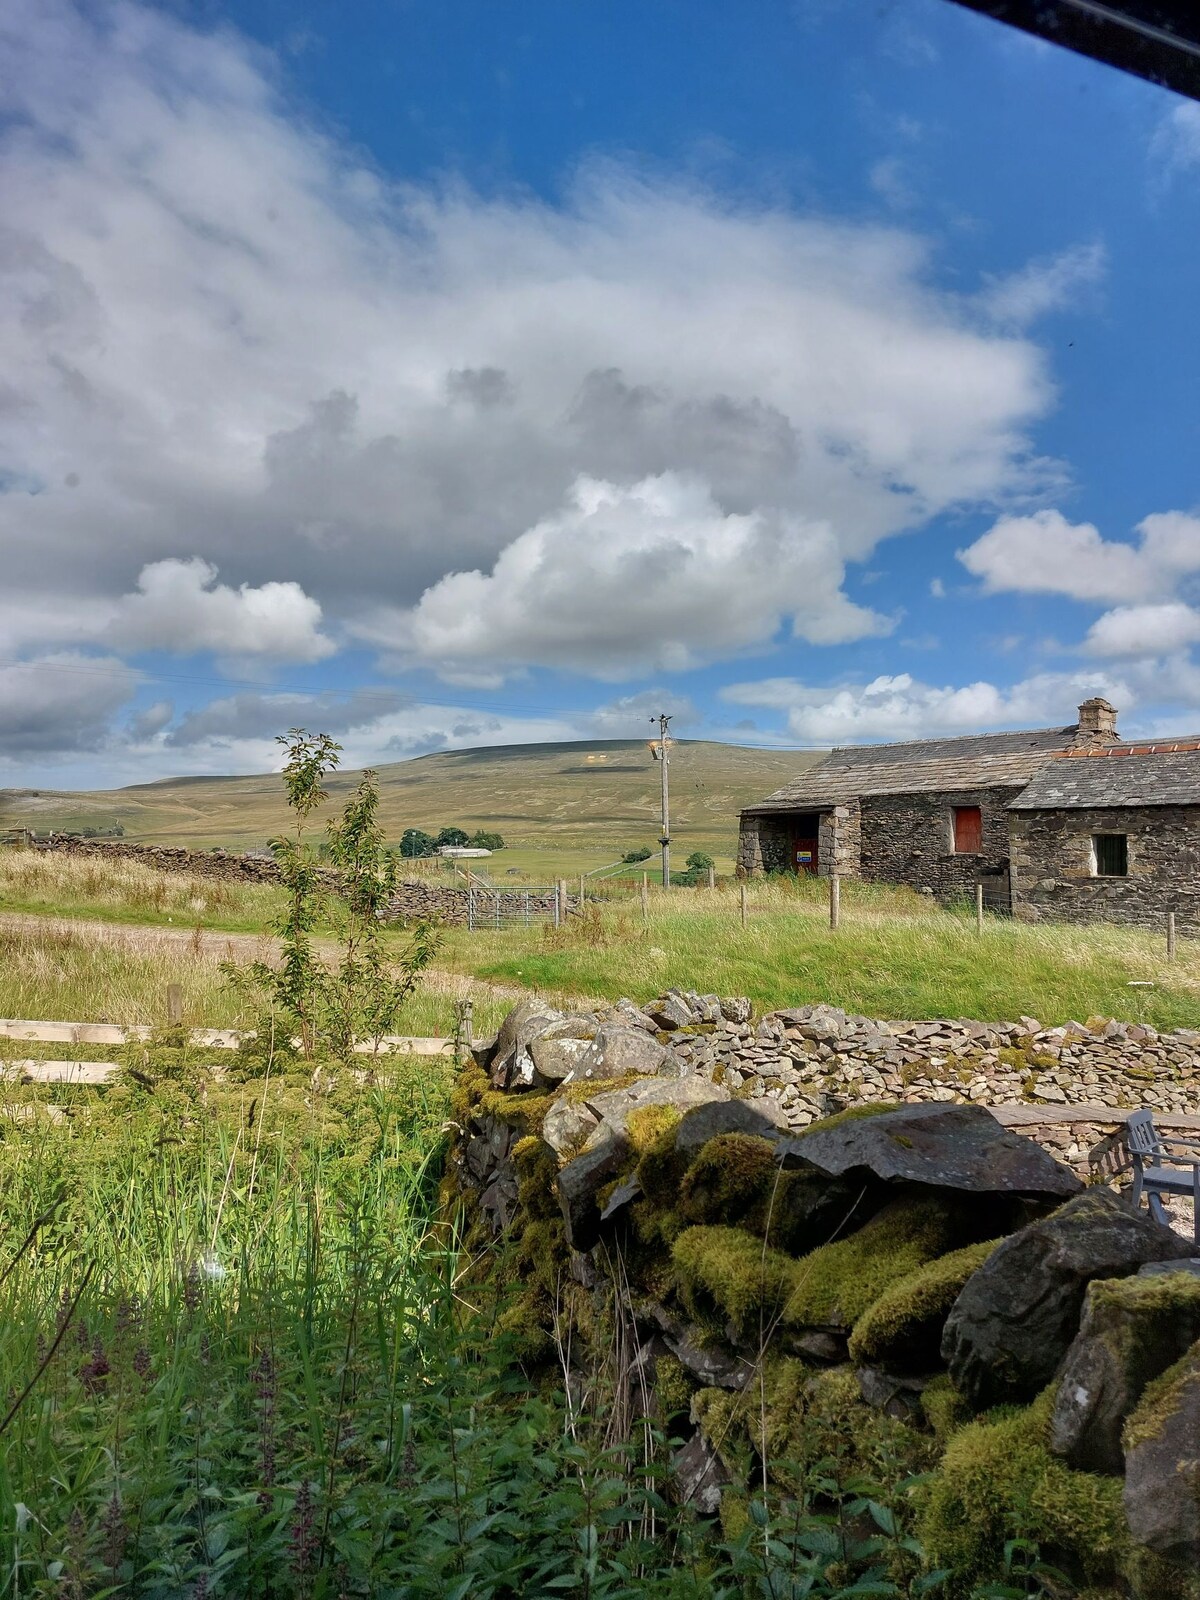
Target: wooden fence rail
<point>96,1073</point>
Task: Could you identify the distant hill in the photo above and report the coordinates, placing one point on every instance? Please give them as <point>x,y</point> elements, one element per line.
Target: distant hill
<point>598,797</point>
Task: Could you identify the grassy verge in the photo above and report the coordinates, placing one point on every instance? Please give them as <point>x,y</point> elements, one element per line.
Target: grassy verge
<point>95,973</point>
<point>893,956</point>
<point>129,892</point>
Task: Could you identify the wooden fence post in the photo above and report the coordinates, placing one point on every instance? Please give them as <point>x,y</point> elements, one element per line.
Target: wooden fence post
<point>712,877</point>
<point>175,1005</point>
<point>1170,936</point>
<point>979,909</point>
<point>835,900</point>
<point>743,904</point>
<point>581,886</point>
<point>645,897</point>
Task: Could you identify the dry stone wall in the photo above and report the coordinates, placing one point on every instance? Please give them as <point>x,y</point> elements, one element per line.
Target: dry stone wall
<point>226,865</point>
<point>415,899</point>
<point>661,1189</point>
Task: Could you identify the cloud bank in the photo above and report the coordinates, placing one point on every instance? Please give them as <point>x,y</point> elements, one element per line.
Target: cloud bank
<point>232,346</point>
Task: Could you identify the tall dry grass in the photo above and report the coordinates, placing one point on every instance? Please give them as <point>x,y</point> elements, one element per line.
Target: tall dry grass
<point>130,891</point>
<point>89,972</point>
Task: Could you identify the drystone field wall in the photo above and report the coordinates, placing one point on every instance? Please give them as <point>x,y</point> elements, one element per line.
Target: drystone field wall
<point>226,865</point>
<point>813,1060</point>
<point>653,1192</point>
<point>414,900</point>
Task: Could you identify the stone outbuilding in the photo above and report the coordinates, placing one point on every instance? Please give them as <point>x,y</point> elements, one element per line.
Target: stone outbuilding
<point>1110,836</point>
<point>1065,823</point>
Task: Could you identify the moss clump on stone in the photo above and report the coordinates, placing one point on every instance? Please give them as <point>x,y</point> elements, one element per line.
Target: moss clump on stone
<point>799,1420</point>
<point>836,1284</point>
<point>661,1167</point>
<point>729,1180</point>
<point>903,1328</point>
<point>726,1274</point>
<point>648,1126</point>
<point>1161,1398</point>
<point>998,1481</point>
<point>537,1168</point>
<point>673,1386</point>
<point>944,1409</point>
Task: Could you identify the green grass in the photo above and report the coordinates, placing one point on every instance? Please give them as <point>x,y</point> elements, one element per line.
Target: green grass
<point>893,956</point>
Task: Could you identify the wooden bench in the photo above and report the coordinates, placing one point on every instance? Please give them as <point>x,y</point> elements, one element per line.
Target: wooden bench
<point>1163,1164</point>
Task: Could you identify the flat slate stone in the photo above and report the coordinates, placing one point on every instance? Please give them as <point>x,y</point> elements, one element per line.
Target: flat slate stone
<point>943,1145</point>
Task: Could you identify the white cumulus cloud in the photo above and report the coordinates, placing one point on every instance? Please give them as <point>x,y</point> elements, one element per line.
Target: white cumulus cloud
<point>1044,553</point>
<point>1144,630</point>
<point>901,707</point>
<point>626,580</point>
<point>180,607</point>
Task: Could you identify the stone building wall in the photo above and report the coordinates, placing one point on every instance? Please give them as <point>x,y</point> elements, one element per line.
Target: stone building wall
<point>909,838</point>
<point>1053,866</point>
<point>763,845</point>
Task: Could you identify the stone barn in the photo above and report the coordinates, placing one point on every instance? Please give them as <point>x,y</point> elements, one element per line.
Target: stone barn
<point>931,813</point>
<point>1110,836</point>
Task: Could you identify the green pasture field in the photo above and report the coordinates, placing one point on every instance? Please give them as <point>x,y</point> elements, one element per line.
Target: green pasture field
<point>893,956</point>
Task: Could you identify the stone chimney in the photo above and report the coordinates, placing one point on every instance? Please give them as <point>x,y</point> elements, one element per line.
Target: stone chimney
<point>1097,722</point>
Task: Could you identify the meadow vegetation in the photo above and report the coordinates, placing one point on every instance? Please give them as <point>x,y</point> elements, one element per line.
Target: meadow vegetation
<point>895,955</point>
<point>245,1349</point>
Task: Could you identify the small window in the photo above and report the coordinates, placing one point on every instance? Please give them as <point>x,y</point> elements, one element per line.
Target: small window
<point>1111,851</point>
<point>968,830</point>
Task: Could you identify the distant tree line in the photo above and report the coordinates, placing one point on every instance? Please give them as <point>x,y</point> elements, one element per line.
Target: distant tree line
<point>415,842</point>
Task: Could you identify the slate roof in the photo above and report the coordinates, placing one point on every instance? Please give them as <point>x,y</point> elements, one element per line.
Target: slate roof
<point>1139,778</point>
<point>974,761</point>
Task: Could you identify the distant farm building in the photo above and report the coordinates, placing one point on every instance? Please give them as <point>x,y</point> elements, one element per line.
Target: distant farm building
<point>1066,823</point>
<point>462,852</point>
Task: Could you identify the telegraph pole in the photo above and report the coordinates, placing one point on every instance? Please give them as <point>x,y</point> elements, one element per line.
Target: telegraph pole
<point>661,749</point>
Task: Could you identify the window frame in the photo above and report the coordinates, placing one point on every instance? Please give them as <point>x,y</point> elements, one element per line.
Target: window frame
<point>1098,870</point>
<point>954,815</point>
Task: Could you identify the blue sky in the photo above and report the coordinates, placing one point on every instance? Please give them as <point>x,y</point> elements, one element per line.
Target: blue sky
<point>460,374</point>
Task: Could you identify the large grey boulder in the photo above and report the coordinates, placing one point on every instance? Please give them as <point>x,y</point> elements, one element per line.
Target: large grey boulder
<point>511,1065</point>
<point>1016,1317</point>
<point>614,1106</point>
<point>1132,1330</point>
<point>559,1047</point>
<point>568,1125</point>
<point>1162,1465</point>
<point>944,1146</point>
<point>618,1051</point>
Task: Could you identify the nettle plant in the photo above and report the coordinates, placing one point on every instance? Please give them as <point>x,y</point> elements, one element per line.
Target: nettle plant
<point>359,998</point>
